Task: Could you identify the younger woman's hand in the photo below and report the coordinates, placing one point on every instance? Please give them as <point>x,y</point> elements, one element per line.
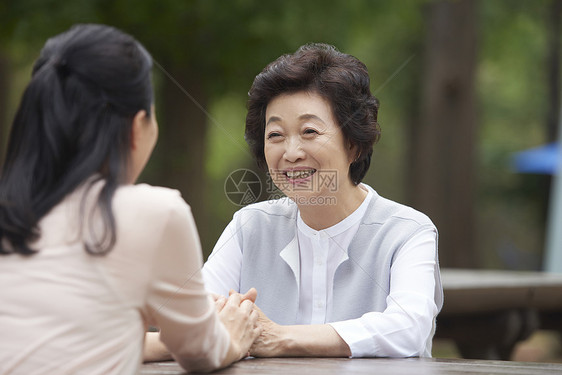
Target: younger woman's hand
<point>220,300</point>
<point>251,294</point>
<point>241,320</point>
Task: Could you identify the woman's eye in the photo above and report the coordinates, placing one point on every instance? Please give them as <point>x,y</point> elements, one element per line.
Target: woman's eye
<point>273,135</point>
<point>310,131</point>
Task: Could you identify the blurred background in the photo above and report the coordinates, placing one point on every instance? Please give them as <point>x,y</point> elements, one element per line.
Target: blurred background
<point>463,86</point>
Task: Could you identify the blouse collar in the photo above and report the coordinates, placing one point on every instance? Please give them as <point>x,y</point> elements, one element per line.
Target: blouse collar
<point>338,228</point>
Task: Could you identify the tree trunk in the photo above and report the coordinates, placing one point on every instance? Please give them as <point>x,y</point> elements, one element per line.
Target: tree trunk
<point>179,158</point>
<point>4,91</point>
<point>442,176</point>
<point>553,85</point>
<point>553,66</point>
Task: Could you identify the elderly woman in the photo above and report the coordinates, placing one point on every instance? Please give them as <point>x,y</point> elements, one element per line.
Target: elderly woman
<point>340,270</point>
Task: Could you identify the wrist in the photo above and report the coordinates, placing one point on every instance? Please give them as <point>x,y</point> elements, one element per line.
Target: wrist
<point>232,355</point>
<point>288,344</point>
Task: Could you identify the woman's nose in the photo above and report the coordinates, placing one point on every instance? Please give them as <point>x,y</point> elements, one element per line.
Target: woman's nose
<point>293,150</point>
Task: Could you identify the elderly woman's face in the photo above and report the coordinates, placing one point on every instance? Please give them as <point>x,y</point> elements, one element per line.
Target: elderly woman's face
<point>305,150</point>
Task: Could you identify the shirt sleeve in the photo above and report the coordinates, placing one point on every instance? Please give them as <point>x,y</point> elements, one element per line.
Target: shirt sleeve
<point>222,270</point>
<point>177,301</point>
<point>403,328</point>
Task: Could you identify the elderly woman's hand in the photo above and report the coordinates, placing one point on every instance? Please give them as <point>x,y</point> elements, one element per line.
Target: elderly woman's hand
<point>270,343</point>
<point>275,340</point>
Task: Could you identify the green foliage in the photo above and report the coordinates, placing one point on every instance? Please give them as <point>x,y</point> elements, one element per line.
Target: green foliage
<point>226,43</point>
<point>512,91</point>
<point>31,21</point>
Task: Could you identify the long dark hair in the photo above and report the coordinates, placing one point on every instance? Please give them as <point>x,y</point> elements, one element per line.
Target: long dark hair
<point>74,122</point>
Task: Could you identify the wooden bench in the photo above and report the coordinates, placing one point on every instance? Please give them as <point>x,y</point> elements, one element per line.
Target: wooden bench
<point>487,312</point>
<point>379,366</point>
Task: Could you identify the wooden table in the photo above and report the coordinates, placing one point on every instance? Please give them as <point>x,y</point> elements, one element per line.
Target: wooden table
<point>378,366</point>
<point>487,312</point>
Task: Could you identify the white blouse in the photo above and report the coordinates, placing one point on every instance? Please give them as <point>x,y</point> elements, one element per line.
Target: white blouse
<point>320,254</point>
<point>328,249</point>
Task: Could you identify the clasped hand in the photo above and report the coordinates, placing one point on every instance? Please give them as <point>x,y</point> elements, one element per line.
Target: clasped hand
<point>268,342</point>
<point>241,319</point>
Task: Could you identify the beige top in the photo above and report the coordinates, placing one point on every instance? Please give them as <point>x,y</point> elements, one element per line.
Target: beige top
<point>64,311</point>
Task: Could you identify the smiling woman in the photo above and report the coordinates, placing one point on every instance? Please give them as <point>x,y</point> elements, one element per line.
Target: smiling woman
<point>302,142</point>
<point>340,270</point>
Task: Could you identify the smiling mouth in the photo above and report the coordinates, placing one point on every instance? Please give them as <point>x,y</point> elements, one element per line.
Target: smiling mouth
<point>300,174</point>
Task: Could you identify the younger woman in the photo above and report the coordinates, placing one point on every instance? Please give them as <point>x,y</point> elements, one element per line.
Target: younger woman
<point>89,259</point>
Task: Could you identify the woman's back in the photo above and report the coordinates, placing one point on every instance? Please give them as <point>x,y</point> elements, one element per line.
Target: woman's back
<point>64,310</point>
<point>87,259</point>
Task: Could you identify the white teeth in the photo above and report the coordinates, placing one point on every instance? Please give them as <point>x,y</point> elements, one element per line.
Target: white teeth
<point>300,173</point>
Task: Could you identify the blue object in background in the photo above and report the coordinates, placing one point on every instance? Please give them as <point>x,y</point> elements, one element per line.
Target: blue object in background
<point>539,160</point>
<point>547,159</point>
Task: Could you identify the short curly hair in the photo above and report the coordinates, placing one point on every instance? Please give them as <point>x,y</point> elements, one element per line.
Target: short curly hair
<point>340,78</point>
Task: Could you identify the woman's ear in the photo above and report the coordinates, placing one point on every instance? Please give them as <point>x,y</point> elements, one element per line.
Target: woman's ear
<point>353,152</point>
<point>137,128</point>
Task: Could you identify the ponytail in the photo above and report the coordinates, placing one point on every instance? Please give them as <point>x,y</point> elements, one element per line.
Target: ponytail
<point>73,122</point>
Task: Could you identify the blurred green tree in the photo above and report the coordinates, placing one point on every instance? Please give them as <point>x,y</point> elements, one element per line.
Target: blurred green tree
<point>207,53</point>
<point>443,165</point>
<point>24,26</point>
<point>204,50</point>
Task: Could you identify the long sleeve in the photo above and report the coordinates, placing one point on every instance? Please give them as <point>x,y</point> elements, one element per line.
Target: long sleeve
<point>66,311</point>
<point>222,270</point>
<point>177,300</point>
<point>404,327</point>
